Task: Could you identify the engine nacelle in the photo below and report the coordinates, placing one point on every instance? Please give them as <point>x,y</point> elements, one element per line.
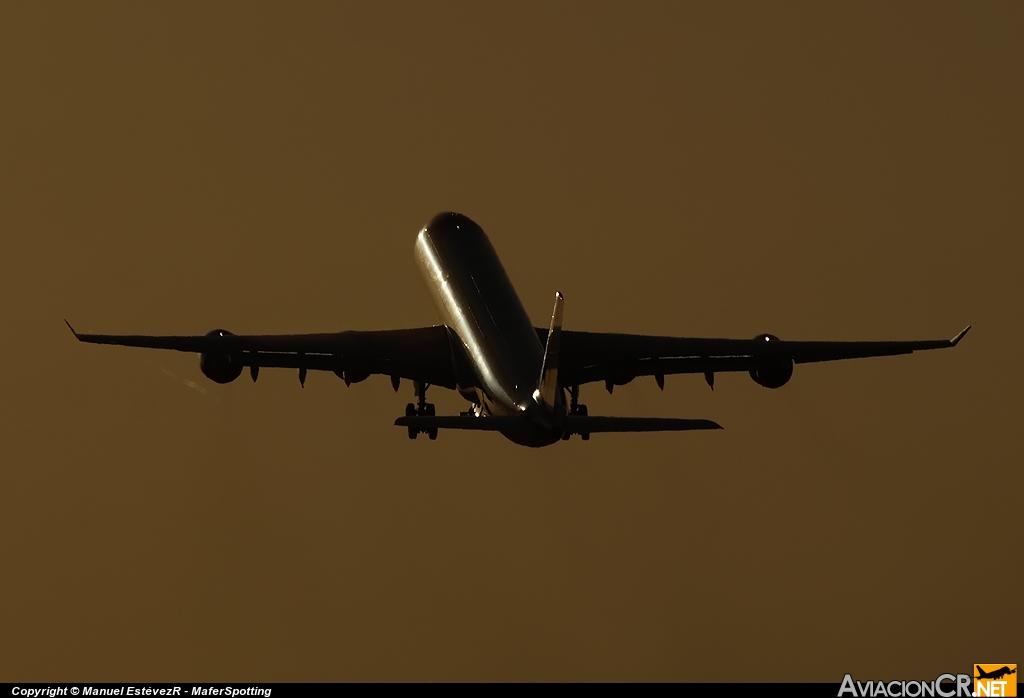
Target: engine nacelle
<point>771,370</point>
<point>220,367</point>
<point>353,372</point>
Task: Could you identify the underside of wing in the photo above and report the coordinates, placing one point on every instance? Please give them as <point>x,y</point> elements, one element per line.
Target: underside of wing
<point>618,358</point>
<point>420,354</point>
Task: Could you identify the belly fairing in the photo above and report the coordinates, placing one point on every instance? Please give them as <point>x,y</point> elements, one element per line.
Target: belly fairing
<point>476,300</point>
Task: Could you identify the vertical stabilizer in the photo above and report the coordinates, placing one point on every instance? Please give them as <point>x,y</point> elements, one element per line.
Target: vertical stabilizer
<point>547,386</point>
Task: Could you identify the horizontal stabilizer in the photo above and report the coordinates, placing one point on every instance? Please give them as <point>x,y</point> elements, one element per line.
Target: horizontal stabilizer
<point>575,424</point>
<point>460,422</point>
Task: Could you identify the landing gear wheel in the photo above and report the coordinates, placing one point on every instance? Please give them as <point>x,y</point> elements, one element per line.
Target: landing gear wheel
<point>581,410</point>
<point>410,411</point>
<point>428,411</point>
<point>422,408</point>
<point>577,410</point>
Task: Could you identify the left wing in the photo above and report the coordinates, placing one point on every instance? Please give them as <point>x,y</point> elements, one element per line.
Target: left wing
<point>618,358</point>
<point>419,354</point>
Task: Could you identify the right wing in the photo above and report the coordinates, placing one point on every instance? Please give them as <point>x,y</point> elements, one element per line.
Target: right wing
<point>419,354</point>
<point>618,358</point>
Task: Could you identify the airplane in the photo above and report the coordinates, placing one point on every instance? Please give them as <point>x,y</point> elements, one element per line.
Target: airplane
<point>995,674</point>
<point>520,380</point>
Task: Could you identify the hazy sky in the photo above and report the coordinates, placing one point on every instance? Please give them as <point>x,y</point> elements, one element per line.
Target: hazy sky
<point>818,171</point>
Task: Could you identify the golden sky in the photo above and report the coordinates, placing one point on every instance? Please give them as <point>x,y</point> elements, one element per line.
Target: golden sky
<point>817,171</point>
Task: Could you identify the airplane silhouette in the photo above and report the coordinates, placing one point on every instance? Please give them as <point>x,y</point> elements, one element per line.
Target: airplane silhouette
<point>996,674</point>
<point>521,381</point>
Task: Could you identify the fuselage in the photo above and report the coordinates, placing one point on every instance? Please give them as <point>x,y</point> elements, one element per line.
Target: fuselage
<point>499,352</point>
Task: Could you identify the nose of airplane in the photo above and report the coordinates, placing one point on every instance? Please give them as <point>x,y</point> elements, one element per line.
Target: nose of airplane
<point>450,223</point>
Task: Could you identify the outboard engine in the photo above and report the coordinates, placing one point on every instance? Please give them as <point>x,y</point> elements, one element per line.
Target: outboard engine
<point>221,367</point>
<point>771,369</point>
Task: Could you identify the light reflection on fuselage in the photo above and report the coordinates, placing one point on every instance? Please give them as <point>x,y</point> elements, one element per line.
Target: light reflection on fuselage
<point>476,300</point>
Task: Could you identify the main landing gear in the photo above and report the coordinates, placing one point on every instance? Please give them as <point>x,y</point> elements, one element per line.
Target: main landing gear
<point>575,408</point>
<point>422,408</point>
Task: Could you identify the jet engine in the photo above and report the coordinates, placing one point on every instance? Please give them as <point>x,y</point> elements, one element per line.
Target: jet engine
<point>353,373</point>
<point>220,367</point>
<point>771,370</point>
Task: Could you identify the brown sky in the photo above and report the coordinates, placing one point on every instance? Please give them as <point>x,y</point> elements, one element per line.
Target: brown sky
<point>819,171</point>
